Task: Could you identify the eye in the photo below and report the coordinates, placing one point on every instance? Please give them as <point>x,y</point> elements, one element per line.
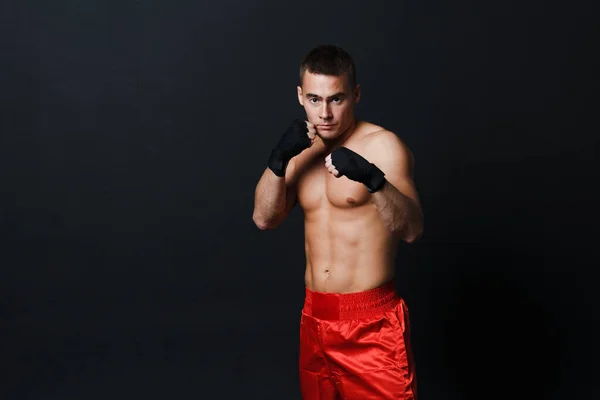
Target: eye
<point>313,100</point>
<point>337,100</point>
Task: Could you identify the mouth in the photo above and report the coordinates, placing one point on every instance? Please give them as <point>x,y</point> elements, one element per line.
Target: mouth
<point>325,126</point>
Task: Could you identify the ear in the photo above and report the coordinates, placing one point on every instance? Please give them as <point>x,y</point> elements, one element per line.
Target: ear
<point>356,94</point>
<point>300,98</point>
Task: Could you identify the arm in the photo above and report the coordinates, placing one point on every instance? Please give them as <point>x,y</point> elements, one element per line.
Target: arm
<point>397,200</point>
<point>275,193</point>
<point>274,198</point>
<point>401,214</point>
<point>387,173</point>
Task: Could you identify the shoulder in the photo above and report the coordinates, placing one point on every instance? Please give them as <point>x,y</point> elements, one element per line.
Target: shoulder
<point>382,145</point>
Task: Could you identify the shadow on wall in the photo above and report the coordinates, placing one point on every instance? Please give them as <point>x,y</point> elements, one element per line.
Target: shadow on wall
<point>502,340</point>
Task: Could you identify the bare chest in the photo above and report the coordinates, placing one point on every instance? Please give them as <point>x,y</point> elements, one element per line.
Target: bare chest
<point>317,188</point>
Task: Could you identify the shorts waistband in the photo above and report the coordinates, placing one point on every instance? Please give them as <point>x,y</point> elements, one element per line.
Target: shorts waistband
<point>336,306</point>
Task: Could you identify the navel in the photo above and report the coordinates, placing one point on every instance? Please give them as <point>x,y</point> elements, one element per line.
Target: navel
<point>326,280</point>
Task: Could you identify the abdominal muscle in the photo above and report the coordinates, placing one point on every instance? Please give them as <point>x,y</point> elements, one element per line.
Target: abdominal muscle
<point>347,250</point>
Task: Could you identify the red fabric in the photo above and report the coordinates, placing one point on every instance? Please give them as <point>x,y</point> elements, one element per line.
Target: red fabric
<point>356,346</point>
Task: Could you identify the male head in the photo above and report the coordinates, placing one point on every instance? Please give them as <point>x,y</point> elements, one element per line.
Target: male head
<point>328,90</point>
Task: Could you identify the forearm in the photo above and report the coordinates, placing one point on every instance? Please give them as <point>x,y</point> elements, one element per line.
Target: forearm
<point>400,214</point>
<point>269,200</point>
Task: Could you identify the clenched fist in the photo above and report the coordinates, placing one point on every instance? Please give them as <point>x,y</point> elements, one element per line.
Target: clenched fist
<point>345,162</point>
<point>298,137</point>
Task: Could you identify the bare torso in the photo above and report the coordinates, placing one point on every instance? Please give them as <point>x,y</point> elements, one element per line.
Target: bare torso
<point>348,248</point>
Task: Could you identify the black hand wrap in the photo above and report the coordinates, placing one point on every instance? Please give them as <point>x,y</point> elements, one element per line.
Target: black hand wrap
<point>356,168</point>
<point>293,142</point>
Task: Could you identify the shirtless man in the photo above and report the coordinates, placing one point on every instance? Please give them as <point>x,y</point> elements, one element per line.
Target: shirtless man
<point>353,181</point>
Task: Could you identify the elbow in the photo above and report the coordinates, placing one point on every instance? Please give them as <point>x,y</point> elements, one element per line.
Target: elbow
<point>412,233</point>
<point>414,230</point>
<point>263,226</point>
<point>410,239</point>
<point>262,223</point>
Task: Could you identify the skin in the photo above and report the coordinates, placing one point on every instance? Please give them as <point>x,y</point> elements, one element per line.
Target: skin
<point>351,235</point>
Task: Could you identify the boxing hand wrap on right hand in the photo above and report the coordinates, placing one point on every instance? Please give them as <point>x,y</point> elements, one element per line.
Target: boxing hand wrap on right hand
<point>293,142</point>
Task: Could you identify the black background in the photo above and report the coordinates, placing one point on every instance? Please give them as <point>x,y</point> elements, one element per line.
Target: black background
<point>134,133</point>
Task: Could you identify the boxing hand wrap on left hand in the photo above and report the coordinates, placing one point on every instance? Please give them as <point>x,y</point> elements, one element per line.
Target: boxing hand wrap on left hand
<point>356,168</point>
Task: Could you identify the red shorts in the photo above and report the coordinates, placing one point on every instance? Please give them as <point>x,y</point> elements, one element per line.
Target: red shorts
<point>356,346</point>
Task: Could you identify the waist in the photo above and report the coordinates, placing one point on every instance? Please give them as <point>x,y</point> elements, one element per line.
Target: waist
<point>338,306</point>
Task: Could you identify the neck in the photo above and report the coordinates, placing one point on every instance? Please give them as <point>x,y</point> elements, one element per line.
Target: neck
<point>332,144</point>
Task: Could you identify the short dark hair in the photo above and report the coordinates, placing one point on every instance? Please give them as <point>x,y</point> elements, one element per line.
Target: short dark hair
<point>329,59</point>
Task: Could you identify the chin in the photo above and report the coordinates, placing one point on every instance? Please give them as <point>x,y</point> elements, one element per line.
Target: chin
<point>329,134</point>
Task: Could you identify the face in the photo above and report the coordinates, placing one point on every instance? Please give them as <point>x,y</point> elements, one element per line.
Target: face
<point>329,103</point>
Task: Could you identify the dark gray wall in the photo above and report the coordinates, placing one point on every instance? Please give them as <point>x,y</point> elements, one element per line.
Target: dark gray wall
<point>133,134</point>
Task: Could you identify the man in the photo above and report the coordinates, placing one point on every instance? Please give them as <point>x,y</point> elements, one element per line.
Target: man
<point>353,181</point>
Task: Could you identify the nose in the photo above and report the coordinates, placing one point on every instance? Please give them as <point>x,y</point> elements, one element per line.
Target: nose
<point>325,113</point>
